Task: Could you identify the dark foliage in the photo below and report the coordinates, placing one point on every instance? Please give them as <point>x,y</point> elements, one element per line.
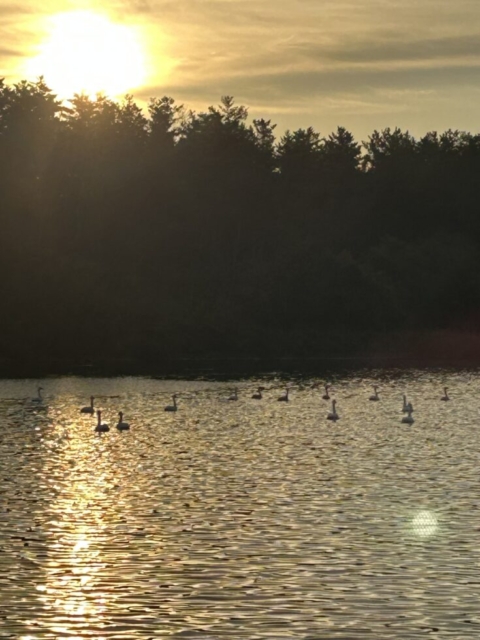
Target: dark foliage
<point>126,235</point>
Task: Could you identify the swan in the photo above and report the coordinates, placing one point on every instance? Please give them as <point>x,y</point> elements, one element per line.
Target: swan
<point>326,395</point>
<point>445,397</point>
<point>38,398</point>
<point>258,394</point>
<point>121,425</point>
<point>89,409</point>
<point>101,427</point>
<point>406,405</point>
<point>233,396</point>
<point>333,415</point>
<point>375,396</point>
<point>284,398</point>
<point>408,419</point>
<point>172,407</point>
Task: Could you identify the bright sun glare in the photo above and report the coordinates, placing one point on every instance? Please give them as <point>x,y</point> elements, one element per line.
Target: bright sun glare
<point>87,52</point>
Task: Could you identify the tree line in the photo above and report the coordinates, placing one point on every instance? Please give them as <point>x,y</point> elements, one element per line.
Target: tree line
<point>147,234</point>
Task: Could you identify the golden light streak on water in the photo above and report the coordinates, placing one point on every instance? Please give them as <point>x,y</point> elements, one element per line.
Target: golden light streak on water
<point>245,519</point>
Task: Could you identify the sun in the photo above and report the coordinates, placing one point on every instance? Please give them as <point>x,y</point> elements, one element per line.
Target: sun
<point>87,52</point>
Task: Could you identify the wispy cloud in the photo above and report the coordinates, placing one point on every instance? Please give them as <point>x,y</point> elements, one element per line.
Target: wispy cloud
<point>376,49</point>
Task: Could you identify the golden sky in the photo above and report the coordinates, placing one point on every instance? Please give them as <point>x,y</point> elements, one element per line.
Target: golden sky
<point>362,64</point>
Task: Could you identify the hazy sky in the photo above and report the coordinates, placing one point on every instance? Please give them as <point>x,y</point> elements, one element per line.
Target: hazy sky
<point>362,64</point>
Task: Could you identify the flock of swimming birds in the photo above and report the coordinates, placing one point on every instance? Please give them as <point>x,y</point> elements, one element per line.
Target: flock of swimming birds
<point>103,427</point>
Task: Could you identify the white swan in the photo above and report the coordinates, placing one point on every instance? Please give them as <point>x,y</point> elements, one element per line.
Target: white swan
<point>38,399</point>
<point>408,419</point>
<point>445,398</point>
<point>233,396</point>
<point>284,397</point>
<point>121,425</point>
<point>406,405</point>
<point>258,394</point>
<point>333,415</point>
<point>326,395</point>
<point>172,407</point>
<point>101,427</point>
<point>89,409</point>
<point>375,396</point>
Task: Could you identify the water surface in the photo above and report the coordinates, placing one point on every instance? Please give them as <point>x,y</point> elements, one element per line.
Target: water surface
<point>248,519</point>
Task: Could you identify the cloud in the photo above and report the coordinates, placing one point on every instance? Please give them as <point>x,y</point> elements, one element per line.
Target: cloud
<point>10,52</point>
<point>378,50</point>
<point>297,57</point>
<point>140,6</point>
<point>282,85</point>
<point>14,9</point>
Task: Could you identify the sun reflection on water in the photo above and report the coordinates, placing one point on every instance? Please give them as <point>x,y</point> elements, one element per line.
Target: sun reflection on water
<point>228,519</point>
<point>73,574</point>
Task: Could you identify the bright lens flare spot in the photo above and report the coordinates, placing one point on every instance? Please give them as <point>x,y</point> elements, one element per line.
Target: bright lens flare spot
<point>424,524</point>
<point>86,52</point>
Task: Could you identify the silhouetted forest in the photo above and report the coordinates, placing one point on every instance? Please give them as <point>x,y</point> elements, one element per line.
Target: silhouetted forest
<point>150,234</point>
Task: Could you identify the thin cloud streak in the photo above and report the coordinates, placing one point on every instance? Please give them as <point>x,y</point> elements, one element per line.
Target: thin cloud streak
<point>331,81</point>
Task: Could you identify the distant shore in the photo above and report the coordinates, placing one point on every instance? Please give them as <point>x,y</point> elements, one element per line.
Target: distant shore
<point>455,349</point>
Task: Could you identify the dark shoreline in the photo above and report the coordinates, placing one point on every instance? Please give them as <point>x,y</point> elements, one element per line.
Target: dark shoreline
<point>225,369</point>
<point>432,350</point>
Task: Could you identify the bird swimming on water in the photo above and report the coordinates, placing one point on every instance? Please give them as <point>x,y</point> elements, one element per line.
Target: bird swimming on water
<point>406,405</point>
<point>38,399</point>
<point>333,415</point>
<point>101,427</point>
<point>258,394</point>
<point>88,409</point>
<point>375,396</point>
<point>172,407</point>
<point>121,425</point>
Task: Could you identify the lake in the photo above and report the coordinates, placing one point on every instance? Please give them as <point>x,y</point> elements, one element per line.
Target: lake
<point>248,519</point>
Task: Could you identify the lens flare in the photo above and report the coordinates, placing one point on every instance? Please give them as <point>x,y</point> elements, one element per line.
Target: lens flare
<point>424,524</point>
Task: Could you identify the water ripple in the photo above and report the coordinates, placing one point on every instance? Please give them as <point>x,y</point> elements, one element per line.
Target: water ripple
<point>246,519</point>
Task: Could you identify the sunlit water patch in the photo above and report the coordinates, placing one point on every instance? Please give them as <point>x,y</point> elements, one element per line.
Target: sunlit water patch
<point>240,519</point>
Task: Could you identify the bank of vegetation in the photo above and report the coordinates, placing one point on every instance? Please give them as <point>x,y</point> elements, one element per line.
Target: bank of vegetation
<point>147,235</point>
